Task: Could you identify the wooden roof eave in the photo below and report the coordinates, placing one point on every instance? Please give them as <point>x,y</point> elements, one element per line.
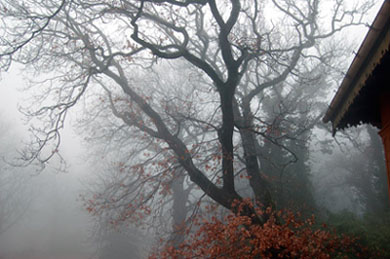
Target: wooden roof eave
<point>374,46</point>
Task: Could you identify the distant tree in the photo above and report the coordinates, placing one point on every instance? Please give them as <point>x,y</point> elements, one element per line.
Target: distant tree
<point>367,174</point>
<point>358,167</point>
<point>15,193</point>
<point>290,118</point>
<point>13,198</point>
<point>120,244</point>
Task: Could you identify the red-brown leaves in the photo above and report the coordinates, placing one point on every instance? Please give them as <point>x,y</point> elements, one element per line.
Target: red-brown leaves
<point>284,235</point>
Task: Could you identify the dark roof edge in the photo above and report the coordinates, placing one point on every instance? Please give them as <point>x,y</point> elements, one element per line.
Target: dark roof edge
<point>372,37</point>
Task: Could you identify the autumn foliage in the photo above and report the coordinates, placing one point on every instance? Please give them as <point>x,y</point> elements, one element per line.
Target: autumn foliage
<point>283,235</point>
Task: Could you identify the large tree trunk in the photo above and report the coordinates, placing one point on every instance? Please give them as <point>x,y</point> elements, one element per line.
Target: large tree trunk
<point>179,210</point>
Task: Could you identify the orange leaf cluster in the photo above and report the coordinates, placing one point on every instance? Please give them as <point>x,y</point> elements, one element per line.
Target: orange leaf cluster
<point>282,236</point>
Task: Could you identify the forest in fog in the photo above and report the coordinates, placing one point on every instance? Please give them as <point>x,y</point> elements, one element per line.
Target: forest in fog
<point>185,129</point>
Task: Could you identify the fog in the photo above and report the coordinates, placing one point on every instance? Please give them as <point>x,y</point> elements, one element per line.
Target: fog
<point>53,221</point>
<point>90,160</point>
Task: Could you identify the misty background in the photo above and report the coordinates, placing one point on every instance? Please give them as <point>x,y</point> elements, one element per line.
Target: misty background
<point>53,217</point>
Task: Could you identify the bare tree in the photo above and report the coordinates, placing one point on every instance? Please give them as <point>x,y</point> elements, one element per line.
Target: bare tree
<point>238,52</point>
<point>143,183</point>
